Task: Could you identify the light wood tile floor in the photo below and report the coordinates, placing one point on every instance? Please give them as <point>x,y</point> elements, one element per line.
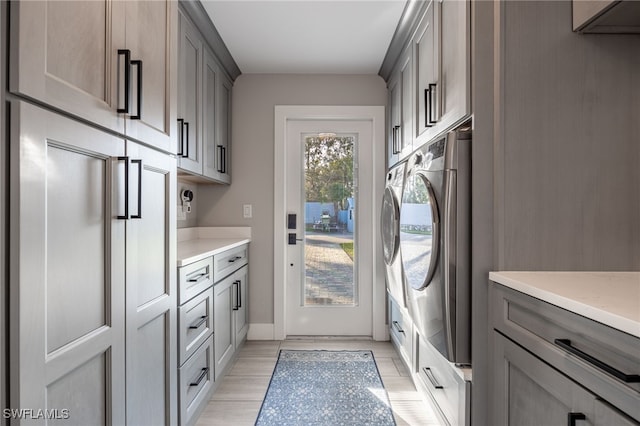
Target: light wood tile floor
<point>238,399</point>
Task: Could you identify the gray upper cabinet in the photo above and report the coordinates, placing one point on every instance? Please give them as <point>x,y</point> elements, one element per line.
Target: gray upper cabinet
<point>112,63</point>
<point>430,84</point>
<point>442,56</point>
<point>204,109</point>
<point>606,16</point>
<point>401,112</point>
<point>427,59</point>
<point>190,94</point>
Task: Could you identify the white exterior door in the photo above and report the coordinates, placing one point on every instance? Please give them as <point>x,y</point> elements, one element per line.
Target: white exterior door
<point>329,287</point>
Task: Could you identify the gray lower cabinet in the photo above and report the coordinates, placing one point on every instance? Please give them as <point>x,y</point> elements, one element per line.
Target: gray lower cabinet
<point>530,392</point>
<point>551,366</point>
<point>444,383</point>
<point>91,291</point>
<point>196,371</point>
<point>231,321</point>
<point>401,330</point>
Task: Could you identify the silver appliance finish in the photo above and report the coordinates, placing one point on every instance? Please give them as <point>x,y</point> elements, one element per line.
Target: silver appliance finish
<point>389,227</point>
<point>435,241</point>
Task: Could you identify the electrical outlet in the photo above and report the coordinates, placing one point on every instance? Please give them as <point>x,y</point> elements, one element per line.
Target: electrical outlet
<point>247,211</point>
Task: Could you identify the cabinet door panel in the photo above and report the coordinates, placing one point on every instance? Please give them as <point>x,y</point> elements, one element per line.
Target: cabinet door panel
<point>77,296</point>
<point>212,153</point>
<point>223,332</point>
<point>406,112</point>
<point>455,98</point>
<point>150,33</point>
<point>67,276</point>
<point>189,99</point>
<point>223,130</point>
<point>242,312</point>
<point>530,392</point>
<point>63,53</point>
<point>151,294</point>
<point>427,51</point>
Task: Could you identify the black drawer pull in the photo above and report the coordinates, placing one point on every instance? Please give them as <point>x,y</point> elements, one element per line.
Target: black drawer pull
<point>573,417</point>
<point>200,377</point>
<point>396,325</point>
<point>431,377</point>
<point>234,259</point>
<point>198,277</point>
<point>627,378</point>
<point>197,324</point>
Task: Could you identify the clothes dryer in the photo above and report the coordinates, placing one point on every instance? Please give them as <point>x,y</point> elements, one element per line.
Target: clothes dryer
<point>435,243</point>
<point>390,221</point>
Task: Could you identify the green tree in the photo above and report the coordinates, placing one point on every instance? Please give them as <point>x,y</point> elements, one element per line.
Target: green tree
<point>329,169</point>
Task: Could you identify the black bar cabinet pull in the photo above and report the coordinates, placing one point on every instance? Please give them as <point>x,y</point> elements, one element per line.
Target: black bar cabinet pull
<point>201,377</point>
<point>127,78</point>
<point>126,188</point>
<point>431,377</point>
<point>432,104</point>
<point>427,108</point>
<point>573,417</point>
<point>198,323</point>
<point>186,151</point>
<point>198,277</point>
<point>220,156</point>
<point>235,305</point>
<point>139,215</point>
<point>239,294</point>
<point>224,159</point>
<point>396,325</point>
<point>181,142</point>
<point>627,378</point>
<point>138,64</point>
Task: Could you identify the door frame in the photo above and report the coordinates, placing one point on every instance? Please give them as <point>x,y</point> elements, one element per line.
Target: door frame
<point>283,114</point>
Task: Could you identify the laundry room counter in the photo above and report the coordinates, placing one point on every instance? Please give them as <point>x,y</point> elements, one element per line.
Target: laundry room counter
<point>199,243</point>
<point>611,298</point>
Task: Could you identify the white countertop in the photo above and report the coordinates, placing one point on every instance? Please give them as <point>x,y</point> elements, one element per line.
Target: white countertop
<point>611,298</point>
<point>199,243</point>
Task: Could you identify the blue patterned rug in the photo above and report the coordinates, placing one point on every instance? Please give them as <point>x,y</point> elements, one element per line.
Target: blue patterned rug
<point>325,388</point>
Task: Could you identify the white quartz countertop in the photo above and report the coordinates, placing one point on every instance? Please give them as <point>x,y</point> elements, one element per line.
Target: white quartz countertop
<point>611,298</point>
<point>195,244</point>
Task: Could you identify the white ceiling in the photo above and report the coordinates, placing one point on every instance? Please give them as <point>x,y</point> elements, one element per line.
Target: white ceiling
<point>306,36</point>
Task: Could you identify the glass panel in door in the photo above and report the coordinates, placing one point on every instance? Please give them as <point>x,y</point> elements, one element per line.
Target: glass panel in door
<point>329,218</point>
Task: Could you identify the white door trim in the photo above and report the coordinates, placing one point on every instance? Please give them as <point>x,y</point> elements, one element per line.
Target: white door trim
<point>284,113</point>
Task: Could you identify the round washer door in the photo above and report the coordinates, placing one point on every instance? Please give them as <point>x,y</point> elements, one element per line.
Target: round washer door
<point>390,217</point>
<point>419,230</point>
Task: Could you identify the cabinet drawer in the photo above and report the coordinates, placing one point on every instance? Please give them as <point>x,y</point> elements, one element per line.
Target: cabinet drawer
<point>195,323</point>
<point>401,331</point>
<point>444,384</point>
<point>227,262</point>
<point>196,382</point>
<point>194,278</point>
<point>593,354</point>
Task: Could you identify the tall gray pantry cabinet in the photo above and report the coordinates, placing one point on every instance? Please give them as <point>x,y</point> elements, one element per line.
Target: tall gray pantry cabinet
<point>92,288</point>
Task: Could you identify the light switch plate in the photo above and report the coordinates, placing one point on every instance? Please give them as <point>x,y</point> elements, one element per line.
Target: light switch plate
<point>247,211</point>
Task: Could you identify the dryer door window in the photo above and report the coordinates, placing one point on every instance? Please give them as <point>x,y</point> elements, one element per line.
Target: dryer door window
<point>419,231</point>
<point>389,226</point>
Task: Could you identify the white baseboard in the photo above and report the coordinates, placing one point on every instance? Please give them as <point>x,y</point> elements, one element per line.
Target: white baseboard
<point>261,332</point>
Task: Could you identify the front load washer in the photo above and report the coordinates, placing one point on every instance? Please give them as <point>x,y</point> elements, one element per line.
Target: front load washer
<point>389,225</point>
<point>435,243</point>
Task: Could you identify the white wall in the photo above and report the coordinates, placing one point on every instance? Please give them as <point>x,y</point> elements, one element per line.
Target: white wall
<point>252,151</point>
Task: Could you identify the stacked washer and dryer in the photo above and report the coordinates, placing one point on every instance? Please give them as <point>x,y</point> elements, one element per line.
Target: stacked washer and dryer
<point>426,235</point>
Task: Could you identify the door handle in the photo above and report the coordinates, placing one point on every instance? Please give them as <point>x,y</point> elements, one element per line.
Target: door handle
<point>293,239</point>
<point>127,79</point>
<point>126,188</point>
<point>139,215</point>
